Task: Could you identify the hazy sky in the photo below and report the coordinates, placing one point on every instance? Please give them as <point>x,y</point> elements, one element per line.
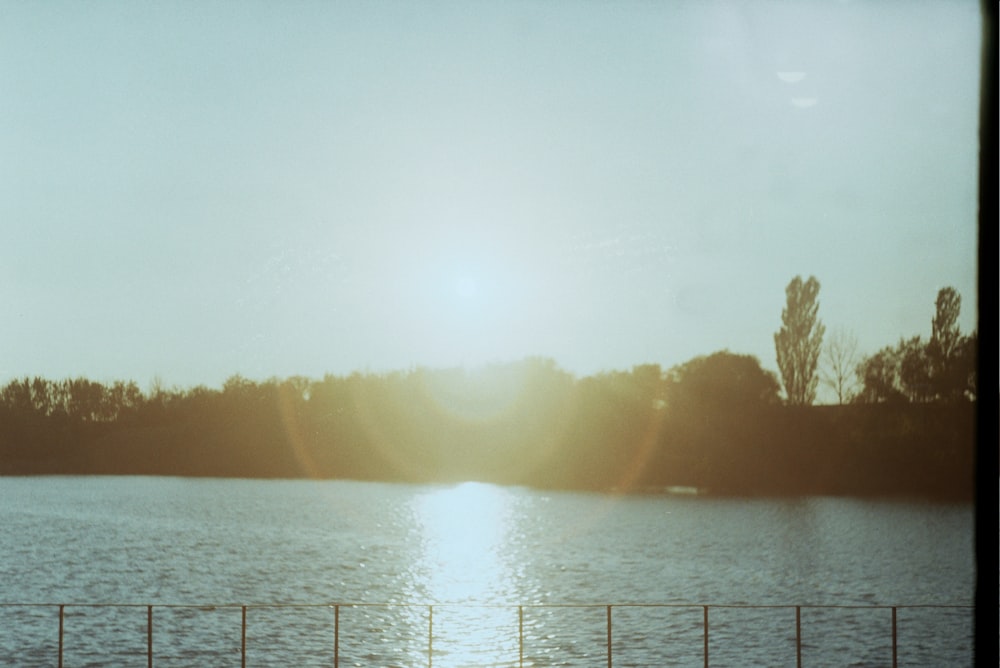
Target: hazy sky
<point>193,190</point>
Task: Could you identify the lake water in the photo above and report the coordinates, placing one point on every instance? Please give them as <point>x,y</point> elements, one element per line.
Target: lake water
<point>476,552</point>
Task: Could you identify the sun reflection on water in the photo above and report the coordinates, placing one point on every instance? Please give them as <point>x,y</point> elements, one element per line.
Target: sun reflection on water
<point>467,558</point>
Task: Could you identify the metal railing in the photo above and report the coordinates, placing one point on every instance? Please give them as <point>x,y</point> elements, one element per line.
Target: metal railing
<point>608,609</point>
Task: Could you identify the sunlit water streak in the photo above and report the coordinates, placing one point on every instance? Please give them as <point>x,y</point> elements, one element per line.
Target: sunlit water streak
<point>475,552</point>
<point>468,556</point>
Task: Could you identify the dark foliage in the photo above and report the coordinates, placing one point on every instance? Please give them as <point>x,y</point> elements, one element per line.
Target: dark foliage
<point>942,369</point>
<point>715,423</point>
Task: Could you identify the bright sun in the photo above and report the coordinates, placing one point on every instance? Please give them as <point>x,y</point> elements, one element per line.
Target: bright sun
<point>469,300</point>
<point>466,306</point>
<point>466,287</point>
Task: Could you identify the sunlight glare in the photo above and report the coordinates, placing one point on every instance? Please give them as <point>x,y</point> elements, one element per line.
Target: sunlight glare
<point>465,559</point>
<point>465,530</point>
<point>482,394</point>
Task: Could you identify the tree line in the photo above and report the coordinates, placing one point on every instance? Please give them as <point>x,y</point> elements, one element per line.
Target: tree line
<point>941,369</point>
<point>718,423</point>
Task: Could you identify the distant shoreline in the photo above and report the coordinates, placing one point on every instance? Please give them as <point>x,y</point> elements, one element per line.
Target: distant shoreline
<point>536,427</point>
<point>693,495</point>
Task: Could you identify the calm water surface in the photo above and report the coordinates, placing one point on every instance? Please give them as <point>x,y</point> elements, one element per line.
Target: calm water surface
<point>218,543</point>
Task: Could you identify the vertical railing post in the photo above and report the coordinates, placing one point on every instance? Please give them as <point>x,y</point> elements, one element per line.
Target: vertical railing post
<point>893,636</point>
<point>430,636</point>
<point>149,636</point>
<point>520,636</point>
<point>62,608</point>
<point>243,636</point>
<point>705,631</point>
<point>336,636</point>
<point>798,636</point>
<point>609,636</point>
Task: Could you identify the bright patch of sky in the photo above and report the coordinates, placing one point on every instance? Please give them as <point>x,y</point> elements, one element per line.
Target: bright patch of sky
<point>194,190</point>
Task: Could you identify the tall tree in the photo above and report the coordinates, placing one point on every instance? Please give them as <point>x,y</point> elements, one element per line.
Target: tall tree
<point>945,334</point>
<point>947,349</point>
<point>799,341</point>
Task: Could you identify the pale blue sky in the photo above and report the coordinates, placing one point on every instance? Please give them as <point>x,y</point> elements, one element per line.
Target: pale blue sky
<point>193,190</point>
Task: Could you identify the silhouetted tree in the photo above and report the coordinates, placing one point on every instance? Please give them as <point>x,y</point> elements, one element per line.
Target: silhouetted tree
<point>715,411</point>
<point>840,359</point>
<point>896,374</point>
<point>945,334</point>
<point>16,396</point>
<point>951,356</point>
<point>914,369</point>
<point>799,341</point>
<point>879,378</point>
<point>966,366</point>
<point>722,379</point>
<point>125,399</point>
<point>943,369</point>
<point>87,401</point>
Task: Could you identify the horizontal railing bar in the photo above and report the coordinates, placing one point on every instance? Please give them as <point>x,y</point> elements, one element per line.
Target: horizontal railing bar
<point>212,606</point>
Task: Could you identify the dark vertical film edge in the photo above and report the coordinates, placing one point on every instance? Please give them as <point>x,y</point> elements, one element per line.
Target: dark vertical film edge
<point>988,437</point>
